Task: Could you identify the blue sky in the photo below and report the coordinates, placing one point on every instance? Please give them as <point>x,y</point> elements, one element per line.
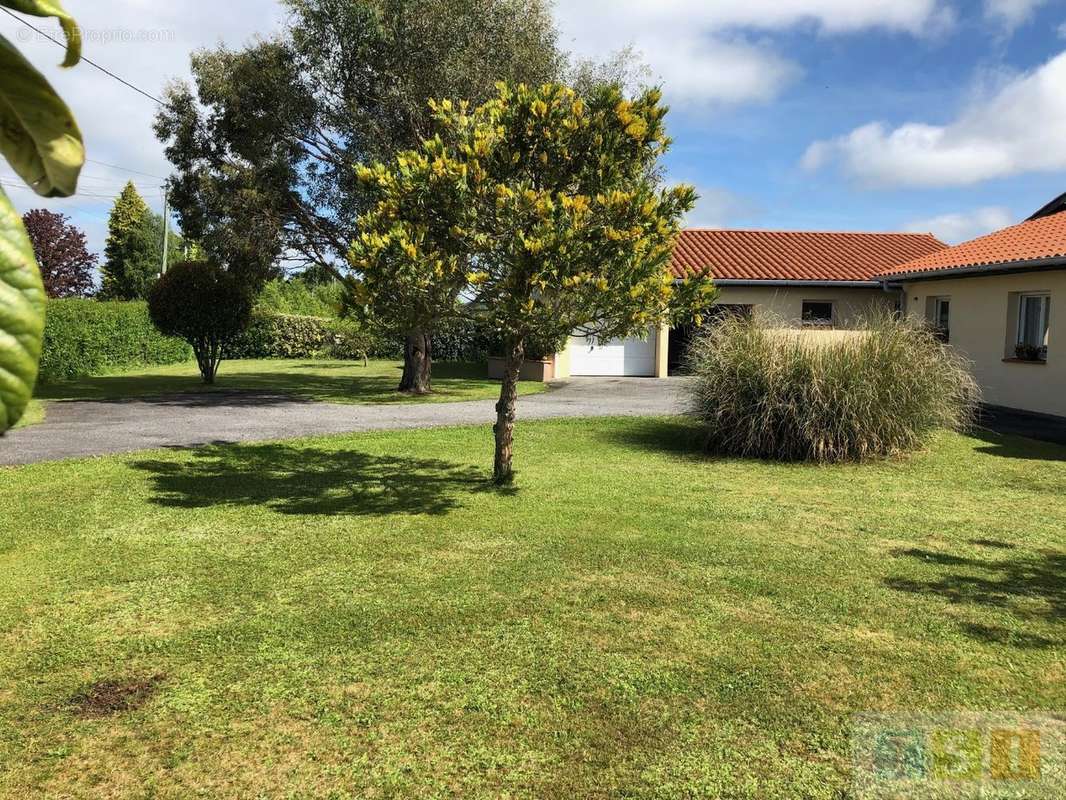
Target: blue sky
<point>942,115</point>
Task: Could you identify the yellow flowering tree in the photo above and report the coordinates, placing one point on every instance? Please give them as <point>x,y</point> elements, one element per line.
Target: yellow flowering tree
<point>538,212</point>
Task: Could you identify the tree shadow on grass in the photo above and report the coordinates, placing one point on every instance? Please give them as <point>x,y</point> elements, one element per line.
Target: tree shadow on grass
<point>310,481</point>
<point>1030,587</point>
<point>677,436</point>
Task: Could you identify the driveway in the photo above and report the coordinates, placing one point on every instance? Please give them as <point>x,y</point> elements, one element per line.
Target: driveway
<point>89,428</point>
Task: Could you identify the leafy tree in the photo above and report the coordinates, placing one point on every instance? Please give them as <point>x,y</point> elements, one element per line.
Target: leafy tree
<point>133,251</point>
<point>265,144</point>
<point>40,140</point>
<point>67,266</point>
<point>203,304</point>
<point>537,212</point>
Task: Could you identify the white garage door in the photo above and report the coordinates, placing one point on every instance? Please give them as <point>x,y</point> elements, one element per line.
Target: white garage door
<point>619,357</point>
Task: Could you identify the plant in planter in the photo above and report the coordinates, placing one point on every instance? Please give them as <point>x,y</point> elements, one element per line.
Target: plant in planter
<point>1030,352</point>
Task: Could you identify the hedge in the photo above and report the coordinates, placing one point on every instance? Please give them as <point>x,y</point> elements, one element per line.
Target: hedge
<point>292,336</point>
<point>89,337</point>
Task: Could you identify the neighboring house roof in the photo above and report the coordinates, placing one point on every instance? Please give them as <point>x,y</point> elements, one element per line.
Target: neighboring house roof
<point>752,256</point>
<point>1039,241</point>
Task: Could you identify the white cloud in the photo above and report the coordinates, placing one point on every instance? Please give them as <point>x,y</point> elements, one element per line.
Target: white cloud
<point>147,44</point>
<point>710,51</point>
<point>1015,129</point>
<point>1011,13</point>
<point>963,226</point>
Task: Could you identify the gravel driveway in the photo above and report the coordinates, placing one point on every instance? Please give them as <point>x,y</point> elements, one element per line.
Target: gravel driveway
<point>89,428</point>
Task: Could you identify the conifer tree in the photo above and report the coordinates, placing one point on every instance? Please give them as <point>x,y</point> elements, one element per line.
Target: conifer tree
<point>133,250</point>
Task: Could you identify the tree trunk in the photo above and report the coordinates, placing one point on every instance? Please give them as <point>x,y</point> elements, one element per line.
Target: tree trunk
<point>417,364</point>
<point>502,473</point>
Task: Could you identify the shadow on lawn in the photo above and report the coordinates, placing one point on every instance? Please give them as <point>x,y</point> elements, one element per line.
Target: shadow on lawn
<point>1013,444</point>
<point>677,436</point>
<point>1032,588</point>
<point>306,480</point>
<point>297,382</point>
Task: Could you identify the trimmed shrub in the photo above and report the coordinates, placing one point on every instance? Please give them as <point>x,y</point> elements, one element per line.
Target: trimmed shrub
<point>89,337</point>
<point>203,304</point>
<point>800,395</point>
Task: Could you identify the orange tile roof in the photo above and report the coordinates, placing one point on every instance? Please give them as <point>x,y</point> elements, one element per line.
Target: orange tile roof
<point>754,255</point>
<point>1034,240</point>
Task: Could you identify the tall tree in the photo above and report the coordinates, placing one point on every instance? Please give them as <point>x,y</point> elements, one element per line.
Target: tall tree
<point>67,266</point>
<point>265,144</point>
<point>134,249</point>
<point>538,213</point>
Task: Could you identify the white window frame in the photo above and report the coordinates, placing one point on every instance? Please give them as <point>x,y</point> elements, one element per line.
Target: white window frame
<point>1045,316</point>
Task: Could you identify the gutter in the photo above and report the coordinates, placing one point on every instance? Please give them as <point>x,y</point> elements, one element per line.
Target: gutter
<point>1010,267</point>
<point>824,284</point>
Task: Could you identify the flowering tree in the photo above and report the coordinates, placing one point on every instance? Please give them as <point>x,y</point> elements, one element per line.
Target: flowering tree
<point>538,212</point>
<point>66,264</point>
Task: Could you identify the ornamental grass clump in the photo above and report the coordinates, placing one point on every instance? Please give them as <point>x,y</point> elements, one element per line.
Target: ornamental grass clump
<point>767,391</point>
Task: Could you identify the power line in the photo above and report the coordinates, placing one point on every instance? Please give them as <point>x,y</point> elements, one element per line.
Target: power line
<point>91,63</point>
<point>125,169</point>
<point>22,187</point>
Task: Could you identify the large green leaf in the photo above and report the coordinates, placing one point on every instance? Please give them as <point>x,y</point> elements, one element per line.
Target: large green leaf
<point>38,134</point>
<point>21,316</point>
<point>52,8</point>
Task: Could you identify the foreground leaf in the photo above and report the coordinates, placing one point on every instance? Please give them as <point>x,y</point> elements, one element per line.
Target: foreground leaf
<point>21,316</point>
<point>52,8</point>
<point>38,134</point>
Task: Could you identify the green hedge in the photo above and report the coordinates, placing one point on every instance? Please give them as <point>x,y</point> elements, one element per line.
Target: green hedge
<point>89,337</point>
<point>291,336</point>
<point>296,297</point>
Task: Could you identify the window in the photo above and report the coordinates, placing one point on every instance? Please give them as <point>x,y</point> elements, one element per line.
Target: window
<point>942,317</point>
<point>1034,316</point>
<point>818,312</point>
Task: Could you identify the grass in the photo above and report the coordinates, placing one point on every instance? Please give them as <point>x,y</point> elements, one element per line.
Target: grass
<point>364,616</point>
<point>34,414</point>
<point>321,380</point>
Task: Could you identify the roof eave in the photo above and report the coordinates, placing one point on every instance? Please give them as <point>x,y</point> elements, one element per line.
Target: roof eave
<point>793,283</point>
<point>1032,265</point>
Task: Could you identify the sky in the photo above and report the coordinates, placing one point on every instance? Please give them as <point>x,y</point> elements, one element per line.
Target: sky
<point>946,116</point>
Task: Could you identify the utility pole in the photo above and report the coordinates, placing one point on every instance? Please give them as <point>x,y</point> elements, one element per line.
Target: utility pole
<point>166,228</point>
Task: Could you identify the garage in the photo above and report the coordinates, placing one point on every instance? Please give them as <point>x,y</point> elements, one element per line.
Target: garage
<point>618,357</point>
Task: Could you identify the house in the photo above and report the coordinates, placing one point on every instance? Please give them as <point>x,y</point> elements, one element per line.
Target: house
<point>822,279</point>
<point>995,299</point>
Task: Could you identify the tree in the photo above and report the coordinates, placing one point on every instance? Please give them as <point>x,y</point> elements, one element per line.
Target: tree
<point>265,145</point>
<point>538,213</point>
<point>134,249</point>
<point>40,139</point>
<point>203,304</point>
<point>66,264</point>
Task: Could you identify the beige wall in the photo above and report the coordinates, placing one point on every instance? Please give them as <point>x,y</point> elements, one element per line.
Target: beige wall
<point>984,323</point>
<point>786,302</point>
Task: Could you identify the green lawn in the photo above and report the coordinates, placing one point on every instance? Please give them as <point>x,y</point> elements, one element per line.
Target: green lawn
<point>327,381</point>
<point>364,616</point>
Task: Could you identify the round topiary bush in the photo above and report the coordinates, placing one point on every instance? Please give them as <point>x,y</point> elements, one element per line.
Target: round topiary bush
<point>203,304</point>
<point>807,395</point>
